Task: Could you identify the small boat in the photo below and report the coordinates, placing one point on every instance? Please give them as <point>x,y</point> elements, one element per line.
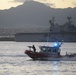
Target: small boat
<point>49,53</point>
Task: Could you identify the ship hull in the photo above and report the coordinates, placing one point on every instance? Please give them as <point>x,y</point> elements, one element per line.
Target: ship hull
<point>45,56</point>
<point>35,55</point>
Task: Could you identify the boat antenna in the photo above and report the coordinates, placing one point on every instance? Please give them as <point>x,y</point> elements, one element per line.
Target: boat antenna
<point>61,43</point>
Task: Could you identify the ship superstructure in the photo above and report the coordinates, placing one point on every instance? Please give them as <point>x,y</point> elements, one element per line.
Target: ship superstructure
<point>66,32</point>
<point>66,27</point>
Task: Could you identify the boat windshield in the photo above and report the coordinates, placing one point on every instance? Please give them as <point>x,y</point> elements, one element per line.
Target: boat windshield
<point>48,49</point>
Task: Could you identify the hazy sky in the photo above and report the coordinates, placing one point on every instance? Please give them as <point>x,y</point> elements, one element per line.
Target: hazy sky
<point>5,4</point>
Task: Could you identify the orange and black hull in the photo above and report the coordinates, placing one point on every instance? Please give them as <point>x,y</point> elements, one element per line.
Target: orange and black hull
<point>35,55</point>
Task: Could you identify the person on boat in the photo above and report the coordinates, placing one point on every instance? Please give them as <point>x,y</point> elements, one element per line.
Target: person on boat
<point>34,48</point>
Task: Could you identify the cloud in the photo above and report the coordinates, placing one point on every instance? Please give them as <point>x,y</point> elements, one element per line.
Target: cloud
<point>74,3</point>
<point>21,0</point>
<point>50,4</point>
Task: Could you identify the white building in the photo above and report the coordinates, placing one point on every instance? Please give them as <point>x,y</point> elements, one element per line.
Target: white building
<point>43,37</point>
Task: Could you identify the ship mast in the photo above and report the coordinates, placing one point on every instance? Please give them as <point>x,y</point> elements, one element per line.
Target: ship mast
<point>70,23</point>
<point>51,28</point>
<point>52,24</point>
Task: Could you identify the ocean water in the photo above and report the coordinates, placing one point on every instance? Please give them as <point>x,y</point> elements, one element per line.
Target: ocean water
<point>13,61</point>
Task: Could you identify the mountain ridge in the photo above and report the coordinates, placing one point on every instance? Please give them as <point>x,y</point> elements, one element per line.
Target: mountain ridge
<point>34,14</point>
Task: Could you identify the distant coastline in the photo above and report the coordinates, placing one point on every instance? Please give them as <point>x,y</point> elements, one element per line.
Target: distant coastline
<point>13,39</point>
<point>7,39</point>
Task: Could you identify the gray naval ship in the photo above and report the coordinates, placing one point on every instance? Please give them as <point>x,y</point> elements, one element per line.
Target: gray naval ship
<point>66,32</point>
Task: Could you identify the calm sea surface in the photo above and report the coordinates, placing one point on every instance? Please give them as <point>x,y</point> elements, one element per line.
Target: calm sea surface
<point>13,61</point>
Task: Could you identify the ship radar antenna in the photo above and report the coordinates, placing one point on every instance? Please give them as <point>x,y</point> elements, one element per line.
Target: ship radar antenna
<point>69,19</point>
<point>70,23</point>
<point>52,23</point>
